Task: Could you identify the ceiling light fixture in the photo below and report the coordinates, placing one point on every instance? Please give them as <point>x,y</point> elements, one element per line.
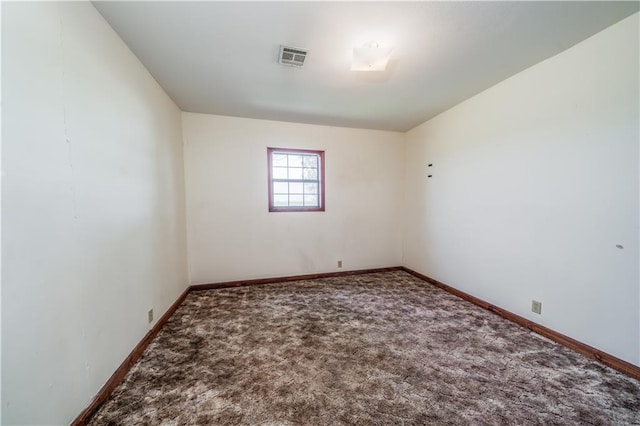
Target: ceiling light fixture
<point>370,57</point>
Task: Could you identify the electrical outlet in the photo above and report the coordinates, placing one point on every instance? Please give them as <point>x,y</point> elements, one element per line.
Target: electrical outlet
<point>150,315</point>
<point>339,263</point>
<point>536,307</point>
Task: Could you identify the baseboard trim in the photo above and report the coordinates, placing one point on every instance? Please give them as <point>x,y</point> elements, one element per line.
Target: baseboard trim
<point>262,281</point>
<point>589,351</point>
<point>115,379</point>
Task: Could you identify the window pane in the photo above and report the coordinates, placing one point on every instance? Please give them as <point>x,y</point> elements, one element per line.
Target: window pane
<point>296,200</point>
<point>311,174</point>
<point>279,173</point>
<point>310,161</point>
<point>311,200</point>
<point>281,200</point>
<point>310,188</point>
<point>295,173</point>
<point>280,187</point>
<point>280,160</point>
<point>296,179</point>
<point>295,188</point>
<point>295,160</point>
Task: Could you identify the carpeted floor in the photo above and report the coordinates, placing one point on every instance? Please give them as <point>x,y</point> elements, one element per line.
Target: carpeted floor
<point>377,349</point>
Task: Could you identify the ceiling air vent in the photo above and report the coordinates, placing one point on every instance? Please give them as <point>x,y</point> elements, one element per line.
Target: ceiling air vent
<point>292,56</point>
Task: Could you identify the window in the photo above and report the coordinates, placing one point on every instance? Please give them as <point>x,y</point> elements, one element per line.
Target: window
<point>296,180</point>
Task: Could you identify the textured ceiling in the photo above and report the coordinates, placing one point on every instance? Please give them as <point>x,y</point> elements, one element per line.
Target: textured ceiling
<point>221,57</point>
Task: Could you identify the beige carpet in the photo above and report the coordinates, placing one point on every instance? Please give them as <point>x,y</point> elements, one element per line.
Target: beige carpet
<point>377,349</point>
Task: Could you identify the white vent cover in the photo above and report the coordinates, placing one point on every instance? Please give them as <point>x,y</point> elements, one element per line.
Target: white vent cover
<point>292,56</point>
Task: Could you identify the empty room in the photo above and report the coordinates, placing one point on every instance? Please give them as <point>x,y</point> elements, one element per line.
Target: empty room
<point>320,213</point>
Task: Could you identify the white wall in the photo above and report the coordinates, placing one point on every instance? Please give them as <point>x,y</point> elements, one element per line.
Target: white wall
<point>233,236</point>
<point>93,207</point>
<point>535,182</point>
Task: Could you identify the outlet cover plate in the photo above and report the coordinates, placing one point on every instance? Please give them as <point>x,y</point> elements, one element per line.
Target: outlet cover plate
<point>536,307</point>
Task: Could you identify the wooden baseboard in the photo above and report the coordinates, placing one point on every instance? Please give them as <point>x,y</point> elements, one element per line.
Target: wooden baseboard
<point>115,379</point>
<point>589,351</point>
<point>261,281</point>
